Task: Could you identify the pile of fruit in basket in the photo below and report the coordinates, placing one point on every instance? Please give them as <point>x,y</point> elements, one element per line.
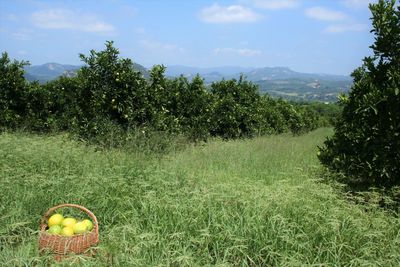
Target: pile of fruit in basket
<point>68,226</point>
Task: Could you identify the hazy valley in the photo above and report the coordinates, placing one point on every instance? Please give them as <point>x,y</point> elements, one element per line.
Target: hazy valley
<point>276,81</point>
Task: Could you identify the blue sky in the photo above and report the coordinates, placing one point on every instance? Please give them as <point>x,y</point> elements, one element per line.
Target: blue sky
<point>329,36</point>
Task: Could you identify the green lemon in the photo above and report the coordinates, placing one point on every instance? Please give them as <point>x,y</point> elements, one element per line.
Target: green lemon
<point>89,224</point>
<point>79,228</point>
<point>54,230</point>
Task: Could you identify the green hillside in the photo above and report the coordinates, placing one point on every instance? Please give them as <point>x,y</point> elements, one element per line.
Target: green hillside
<point>305,89</point>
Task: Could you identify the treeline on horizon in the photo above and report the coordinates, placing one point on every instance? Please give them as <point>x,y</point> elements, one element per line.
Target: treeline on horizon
<point>108,96</point>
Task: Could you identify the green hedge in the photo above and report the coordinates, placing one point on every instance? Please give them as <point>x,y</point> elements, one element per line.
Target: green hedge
<point>108,94</point>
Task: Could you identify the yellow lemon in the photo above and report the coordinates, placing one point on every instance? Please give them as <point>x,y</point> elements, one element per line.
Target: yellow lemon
<point>79,228</point>
<point>68,222</point>
<point>55,219</point>
<point>67,231</point>
<point>55,230</point>
<point>89,224</point>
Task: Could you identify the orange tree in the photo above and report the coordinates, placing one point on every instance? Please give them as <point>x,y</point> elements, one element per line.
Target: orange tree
<point>366,143</point>
<point>190,105</point>
<point>12,91</point>
<point>236,108</point>
<point>110,90</point>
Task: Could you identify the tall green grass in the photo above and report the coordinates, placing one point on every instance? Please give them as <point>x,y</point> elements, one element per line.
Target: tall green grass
<point>255,202</point>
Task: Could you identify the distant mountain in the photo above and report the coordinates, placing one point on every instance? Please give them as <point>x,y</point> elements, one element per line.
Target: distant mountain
<point>276,81</point>
<point>51,71</point>
<point>48,71</point>
<point>142,70</point>
<point>177,70</point>
<point>251,74</point>
<point>283,73</point>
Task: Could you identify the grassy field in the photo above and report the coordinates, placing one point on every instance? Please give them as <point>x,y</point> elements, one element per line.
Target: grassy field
<point>256,202</point>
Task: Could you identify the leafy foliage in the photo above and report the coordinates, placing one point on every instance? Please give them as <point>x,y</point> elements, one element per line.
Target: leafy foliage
<point>191,106</point>
<point>110,101</point>
<point>110,89</point>
<point>65,102</point>
<point>366,144</point>
<point>235,108</point>
<point>13,89</point>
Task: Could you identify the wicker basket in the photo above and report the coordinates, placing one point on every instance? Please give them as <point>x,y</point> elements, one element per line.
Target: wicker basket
<point>62,245</point>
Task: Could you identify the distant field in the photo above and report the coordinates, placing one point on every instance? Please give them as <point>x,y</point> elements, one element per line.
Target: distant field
<point>305,89</point>
<point>255,202</point>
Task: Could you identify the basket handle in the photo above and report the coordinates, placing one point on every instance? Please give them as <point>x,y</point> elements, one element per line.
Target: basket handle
<point>46,216</point>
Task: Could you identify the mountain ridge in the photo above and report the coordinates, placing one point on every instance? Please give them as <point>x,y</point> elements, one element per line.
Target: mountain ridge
<point>276,81</point>
<point>281,82</point>
<point>52,70</point>
<point>253,74</point>
<point>48,71</point>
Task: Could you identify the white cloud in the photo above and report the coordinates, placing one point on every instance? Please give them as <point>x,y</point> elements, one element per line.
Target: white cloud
<point>228,14</point>
<point>23,34</point>
<point>346,28</point>
<point>159,46</point>
<point>12,17</point>
<point>322,13</point>
<point>99,27</point>
<point>237,51</point>
<point>357,3</point>
<point>22,52</point>
<point>140,30</point>
<point>276,4</point>
<point>70,20</point>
